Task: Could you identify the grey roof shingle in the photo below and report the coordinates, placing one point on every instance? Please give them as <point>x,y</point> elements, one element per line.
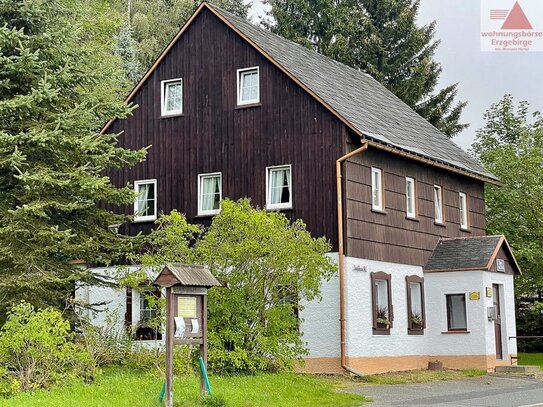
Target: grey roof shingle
<point>368,106</point>
<point>472,253</point>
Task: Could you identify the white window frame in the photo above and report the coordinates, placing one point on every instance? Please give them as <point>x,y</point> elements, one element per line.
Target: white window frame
<point>463,210</point>
<point>438,199</point>
<point>239,74</point>
<point>379,205</point>
<point>201,178</point>
<point>136,209</point>
<point>446,316</point>
<point>413,214</point>
<point>286,205</point>
<point>163,95</point>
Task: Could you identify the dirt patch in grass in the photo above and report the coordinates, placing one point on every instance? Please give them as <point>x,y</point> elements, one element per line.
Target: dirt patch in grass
<point>421,376</point>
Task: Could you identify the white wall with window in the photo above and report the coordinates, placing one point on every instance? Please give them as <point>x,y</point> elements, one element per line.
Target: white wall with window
<point>171,97</point>
<point>438,204</point>
<point>410,197</point>
<point>248,85</point>
<point>377,189</point>
<point>279,187</point>
<point>145,205</point>
<point>464,215</point>
<point>209,193</point>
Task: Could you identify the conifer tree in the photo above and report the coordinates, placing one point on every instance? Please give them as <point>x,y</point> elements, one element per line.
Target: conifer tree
<point>380,37</point>
<point>155,23</point>
<point>59,83</point>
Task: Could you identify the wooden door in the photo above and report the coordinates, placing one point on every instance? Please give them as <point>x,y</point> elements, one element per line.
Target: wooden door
<point>498,321</point>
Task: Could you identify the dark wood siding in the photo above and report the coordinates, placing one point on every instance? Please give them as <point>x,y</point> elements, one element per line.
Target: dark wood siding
<point>290,127</point>
<point>390,236</point>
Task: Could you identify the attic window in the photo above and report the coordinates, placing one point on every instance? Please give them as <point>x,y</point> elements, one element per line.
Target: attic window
<point>172,97</point>
<point>248,86</point>
<point>279,187</point>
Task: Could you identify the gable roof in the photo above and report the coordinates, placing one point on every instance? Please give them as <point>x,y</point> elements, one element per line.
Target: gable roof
<point>186,275</point>
<point>468,253</point>
<point>361,102</point>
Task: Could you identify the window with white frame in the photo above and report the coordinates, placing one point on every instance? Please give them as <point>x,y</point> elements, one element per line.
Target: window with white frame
<point>410,198</point>
<point>248,86</point>
<point>145,203</point>
<point>463,204</point>
<point>279,187</point>
<point>209,193</point>
<point>456,312</point>
<point>377,189</point>
<point>438,204</point>
<point>171,97</point>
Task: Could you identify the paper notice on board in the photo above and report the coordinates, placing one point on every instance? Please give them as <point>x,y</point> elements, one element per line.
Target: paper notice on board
<point>179,327</point>
<point>195,326</point>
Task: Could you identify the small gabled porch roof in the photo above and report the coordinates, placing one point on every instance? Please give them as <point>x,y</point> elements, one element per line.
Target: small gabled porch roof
<point>469,253</point>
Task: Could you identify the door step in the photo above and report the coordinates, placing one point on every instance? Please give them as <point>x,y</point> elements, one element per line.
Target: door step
<point>519,371</point>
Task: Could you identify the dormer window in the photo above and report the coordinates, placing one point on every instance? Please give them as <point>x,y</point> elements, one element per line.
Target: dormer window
<point>279,187</point>
<point>172,97</point>
<point>248,86</point>
<point>145,207</point>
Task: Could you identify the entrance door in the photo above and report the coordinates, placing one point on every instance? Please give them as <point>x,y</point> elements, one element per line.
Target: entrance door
<point>498,322</point>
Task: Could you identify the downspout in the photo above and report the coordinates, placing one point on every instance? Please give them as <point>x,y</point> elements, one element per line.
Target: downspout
<point>341,255</point>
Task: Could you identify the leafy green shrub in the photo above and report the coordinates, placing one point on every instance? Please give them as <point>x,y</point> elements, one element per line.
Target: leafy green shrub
<point>37,351</point>
<point>268,267</point>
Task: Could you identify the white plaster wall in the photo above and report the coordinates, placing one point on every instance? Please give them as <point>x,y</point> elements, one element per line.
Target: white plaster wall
<point>112,300</point>
<point>359,318</point>
<point>320,320</point>
<point>437,285</point>
<point>507,297</point>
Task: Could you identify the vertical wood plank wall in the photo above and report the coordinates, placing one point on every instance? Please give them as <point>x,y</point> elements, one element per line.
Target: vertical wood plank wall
<point>390,236</point>
<point>289,127</point>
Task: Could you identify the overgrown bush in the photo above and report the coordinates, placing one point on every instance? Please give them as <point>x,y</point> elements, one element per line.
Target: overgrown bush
<point>107,344</point>
<point>268,267</point>
<point>37,351</point>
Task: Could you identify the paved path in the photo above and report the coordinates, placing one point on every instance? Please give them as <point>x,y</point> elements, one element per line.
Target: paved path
<point>480,392</point>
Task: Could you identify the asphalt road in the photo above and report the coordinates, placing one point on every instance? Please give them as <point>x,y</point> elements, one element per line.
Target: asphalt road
<point>485,391</point>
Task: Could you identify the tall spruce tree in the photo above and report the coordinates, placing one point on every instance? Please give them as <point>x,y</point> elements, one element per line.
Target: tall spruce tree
<point>59,82</point>
<point>155,23</point>
<point>380,37</point>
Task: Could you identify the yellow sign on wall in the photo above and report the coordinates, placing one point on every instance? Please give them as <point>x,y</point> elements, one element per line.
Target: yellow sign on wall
<point>186,307</point>
<point>475,295</point>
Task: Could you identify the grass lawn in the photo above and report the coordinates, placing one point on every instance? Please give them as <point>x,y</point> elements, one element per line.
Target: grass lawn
<point>134,388</point>
<point>530,359</point>
<point>422,376</point>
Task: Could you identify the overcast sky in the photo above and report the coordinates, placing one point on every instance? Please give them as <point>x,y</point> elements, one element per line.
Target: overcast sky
<point>484,77</point>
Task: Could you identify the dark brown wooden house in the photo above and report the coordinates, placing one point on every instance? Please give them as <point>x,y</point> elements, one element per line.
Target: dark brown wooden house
<point>231,110</point>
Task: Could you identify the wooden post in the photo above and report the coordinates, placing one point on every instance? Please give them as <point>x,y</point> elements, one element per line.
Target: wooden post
<point>203,344</point>
<point>169,346</point>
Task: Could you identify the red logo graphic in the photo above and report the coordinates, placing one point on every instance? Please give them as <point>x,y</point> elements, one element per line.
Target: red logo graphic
<point>514,19</point>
